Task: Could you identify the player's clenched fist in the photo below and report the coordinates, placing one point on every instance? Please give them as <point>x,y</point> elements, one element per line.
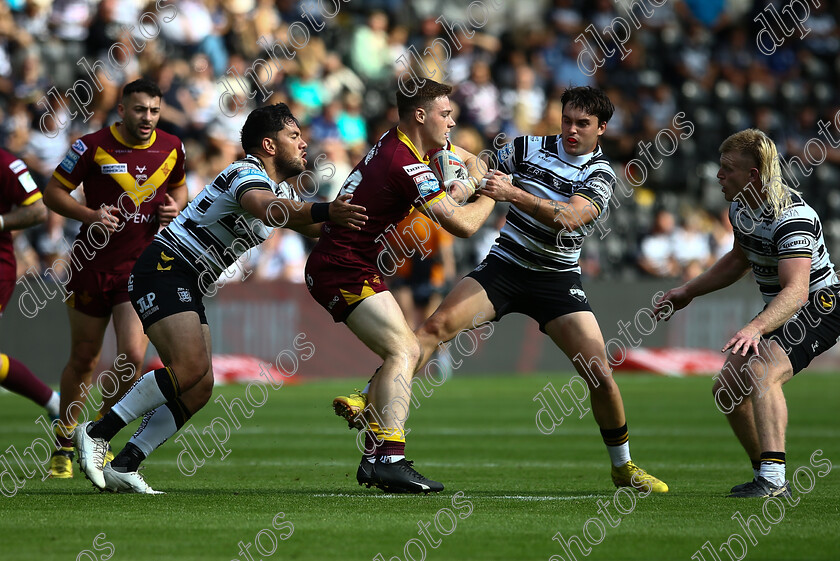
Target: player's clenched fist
<point>167,211</point>
<point>498,186</point>
<point>345,214</point>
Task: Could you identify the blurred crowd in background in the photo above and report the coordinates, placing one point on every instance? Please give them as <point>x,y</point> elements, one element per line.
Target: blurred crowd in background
<point>698,57</point>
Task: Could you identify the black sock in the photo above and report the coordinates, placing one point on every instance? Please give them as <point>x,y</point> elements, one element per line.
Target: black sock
<point>128,459</point>
<point>107,426</point>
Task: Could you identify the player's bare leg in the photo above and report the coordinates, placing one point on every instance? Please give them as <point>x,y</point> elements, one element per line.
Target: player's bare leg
<point>760,420</point>
<point>579,337</point>
<point>728,395</point>
<point>466,307</point>
<point>132,342</point>
<point>379,323</point>
<point>86,335</point>
<point>181,337</point>
<point>160,424</point>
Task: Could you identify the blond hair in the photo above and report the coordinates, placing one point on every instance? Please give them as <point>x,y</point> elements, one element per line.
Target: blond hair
<point>757,146</point>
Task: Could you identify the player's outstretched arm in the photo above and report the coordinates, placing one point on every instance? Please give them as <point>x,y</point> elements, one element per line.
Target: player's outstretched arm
<point>25,216</point>
<point>726,271</point>
<point>287,213</point>
<point>460,219</point>
<point>555,214</point>
<point>58,199</point>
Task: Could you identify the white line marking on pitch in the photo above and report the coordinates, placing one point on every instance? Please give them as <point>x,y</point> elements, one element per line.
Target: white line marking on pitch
<point>478,498</point>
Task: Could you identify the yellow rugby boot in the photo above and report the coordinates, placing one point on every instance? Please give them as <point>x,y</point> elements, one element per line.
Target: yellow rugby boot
<point>349,408</point>
<point>61,464</point>
<point>631,475</point>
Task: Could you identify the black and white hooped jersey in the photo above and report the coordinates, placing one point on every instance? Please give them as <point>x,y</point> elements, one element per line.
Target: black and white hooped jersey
<point>541,166</point>
<point>766,240</point>
<point>213,231</point>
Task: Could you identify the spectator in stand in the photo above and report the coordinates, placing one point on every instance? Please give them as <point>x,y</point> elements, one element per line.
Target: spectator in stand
<point>657,252</point>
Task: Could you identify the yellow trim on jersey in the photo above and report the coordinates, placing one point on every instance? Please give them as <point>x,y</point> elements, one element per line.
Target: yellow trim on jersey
<point>351,298</point>
<point>34,197</point>
<point>432,202</point>
<point>123,141</point>
<point>4,367</point>
<point>808,255</point>
<point>407,141</point>
<point>125,180</point>
<point>590,200</point>
<point>67,185</point>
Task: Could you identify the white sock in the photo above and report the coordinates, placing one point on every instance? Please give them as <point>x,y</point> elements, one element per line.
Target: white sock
<point>143,396</point>
<point>756,473</point>
<point>392,459</point>
<point>619,455</point>
<point>773,472</point>
<point>156,428</point>
<point>53,404</point>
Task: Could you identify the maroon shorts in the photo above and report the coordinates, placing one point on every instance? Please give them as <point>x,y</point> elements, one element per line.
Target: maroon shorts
<point>95,293</point>
<point>7,287</point>
<point>340,287</point>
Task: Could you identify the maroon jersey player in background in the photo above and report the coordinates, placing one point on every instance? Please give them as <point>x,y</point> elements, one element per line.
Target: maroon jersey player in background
<point>21,206</point>
<point>134,183</point>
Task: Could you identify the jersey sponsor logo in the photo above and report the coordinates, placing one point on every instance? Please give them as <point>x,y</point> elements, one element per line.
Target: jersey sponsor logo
<point>248,172</point>
<point>333,302</point>
<point>577,293</point>
<point>79,146</point>
<point>17,166</point>
<point>506,152</point>
<point>142,218</point>
<point>428,187</point>
<point>27,182</point>
<point>69,162</point>
<point>146,305</point>
<point>140,169</point>
<point>414,169</point>
<point>794,243</point>
<point>600,187</point>
<point>112,169</point>
<point>429,176</point>
<point>184,295</point>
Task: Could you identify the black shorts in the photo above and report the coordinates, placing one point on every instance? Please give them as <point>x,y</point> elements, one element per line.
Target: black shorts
<point>812,330</point>
<point>542,295</point>
<point>162,284</point>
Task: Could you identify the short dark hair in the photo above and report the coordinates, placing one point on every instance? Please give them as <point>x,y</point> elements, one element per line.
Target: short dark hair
<point>423,97</point>
<point>590,100</point>
<point>264,122</point>
<point>142,85</point>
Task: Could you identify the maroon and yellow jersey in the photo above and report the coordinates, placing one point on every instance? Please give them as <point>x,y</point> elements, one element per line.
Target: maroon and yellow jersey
<point>388,182</point>
<point>109,166</point>
<point>17,188</point>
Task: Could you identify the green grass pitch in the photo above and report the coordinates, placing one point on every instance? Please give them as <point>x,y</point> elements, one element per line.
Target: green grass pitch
<point>478,436</point>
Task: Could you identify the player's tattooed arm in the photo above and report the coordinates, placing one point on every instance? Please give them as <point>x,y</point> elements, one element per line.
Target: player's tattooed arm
<point>555,214</point>
<point>25,216</point>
